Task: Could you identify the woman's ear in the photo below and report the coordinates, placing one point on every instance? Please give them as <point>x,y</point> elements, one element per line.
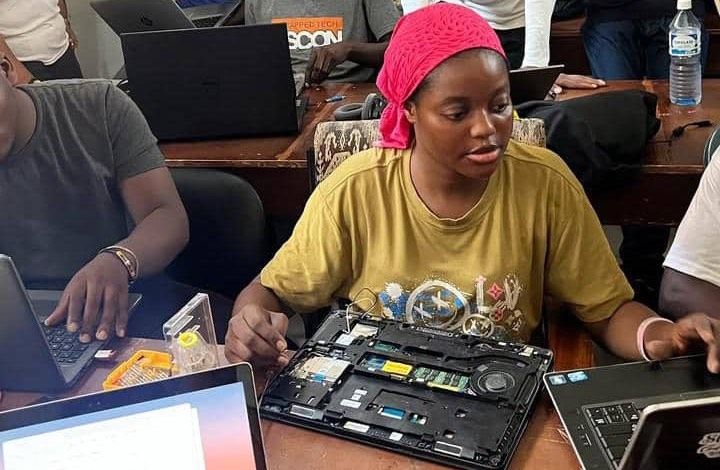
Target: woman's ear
<point>410,110</point>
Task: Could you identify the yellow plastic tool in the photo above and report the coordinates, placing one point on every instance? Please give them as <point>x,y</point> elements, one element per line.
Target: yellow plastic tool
<point>144,366</point>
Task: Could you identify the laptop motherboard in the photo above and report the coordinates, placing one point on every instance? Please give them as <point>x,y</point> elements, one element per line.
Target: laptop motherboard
<point>430,393</point>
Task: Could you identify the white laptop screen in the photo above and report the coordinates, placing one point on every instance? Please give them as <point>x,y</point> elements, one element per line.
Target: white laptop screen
<point>200,430</point>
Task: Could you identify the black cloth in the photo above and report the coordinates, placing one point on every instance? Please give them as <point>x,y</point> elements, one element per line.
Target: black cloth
<point>601,137</point>
<point>66,67</point>
<point>614,10</point>
<point>641,252</point>
<point>567,9</point>
<point>513,43</point>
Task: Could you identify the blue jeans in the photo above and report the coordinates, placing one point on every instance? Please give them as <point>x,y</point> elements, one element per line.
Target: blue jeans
<point>631,49</point>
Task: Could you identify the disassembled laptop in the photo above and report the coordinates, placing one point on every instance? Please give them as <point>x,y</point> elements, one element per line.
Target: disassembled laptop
<point>430,393</point>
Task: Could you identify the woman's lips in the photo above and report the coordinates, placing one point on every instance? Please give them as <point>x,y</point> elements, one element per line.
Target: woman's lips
<point>484,155</point>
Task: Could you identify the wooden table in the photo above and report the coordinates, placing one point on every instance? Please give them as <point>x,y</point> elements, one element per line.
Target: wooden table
<point>288,447</point>
<point>277,166</point>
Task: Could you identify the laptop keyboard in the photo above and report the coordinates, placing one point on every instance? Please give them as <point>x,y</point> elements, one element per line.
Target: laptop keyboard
<point>614,425</point>
<point>66,347</point>
<point>206,22</point>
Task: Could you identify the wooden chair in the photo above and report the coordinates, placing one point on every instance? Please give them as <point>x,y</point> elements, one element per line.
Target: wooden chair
<point>336,140</point>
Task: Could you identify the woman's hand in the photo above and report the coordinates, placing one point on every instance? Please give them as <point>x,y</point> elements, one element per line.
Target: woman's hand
<point>257,335</point>
<point>693,333</point>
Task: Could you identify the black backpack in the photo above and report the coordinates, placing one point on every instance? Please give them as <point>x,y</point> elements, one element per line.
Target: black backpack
<point>601,137</point>
<point>568,9</point>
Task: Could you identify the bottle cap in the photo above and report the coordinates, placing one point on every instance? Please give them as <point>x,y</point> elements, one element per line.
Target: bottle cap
<point>684,4</point>
<point>188,339</point>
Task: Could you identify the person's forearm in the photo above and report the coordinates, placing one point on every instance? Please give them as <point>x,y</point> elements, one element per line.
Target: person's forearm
<point>537,33</point>
<point>367,54</point>
<point>681,294</point>
<point>619,332</point>
<point>158,238</point>
<point>257,294</point>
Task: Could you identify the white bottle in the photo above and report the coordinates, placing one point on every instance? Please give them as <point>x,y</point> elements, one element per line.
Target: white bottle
<point>685,66</point>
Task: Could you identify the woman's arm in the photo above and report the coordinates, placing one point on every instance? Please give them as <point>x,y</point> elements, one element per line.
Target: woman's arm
<point>623,335</point>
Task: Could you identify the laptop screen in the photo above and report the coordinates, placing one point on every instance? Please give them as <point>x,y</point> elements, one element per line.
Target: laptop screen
<point>206,429</point>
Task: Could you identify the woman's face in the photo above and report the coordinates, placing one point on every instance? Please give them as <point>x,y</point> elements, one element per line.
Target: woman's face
<point>462,115</point>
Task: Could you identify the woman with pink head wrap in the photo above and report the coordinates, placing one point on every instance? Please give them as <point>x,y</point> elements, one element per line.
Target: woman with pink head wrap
<point>416,50</point>
<point>449,223</point>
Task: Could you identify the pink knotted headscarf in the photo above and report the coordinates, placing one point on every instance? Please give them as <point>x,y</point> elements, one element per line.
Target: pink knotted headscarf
<point>420,42</point>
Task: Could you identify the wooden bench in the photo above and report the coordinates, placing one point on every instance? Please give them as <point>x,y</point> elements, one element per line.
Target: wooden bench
<point>566,45</point>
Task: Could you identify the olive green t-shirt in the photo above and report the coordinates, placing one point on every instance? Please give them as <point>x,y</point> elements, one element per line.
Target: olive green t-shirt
<point>366,234</point>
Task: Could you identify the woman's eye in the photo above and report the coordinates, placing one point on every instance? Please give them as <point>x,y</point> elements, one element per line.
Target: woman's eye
<point>455,115</point>
<point>501,107</point>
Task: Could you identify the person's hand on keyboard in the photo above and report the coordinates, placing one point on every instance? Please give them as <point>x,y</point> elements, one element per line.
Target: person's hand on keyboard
<point>324,59</point>
<point>258,336</point>
<point>692,333</point>
<point>98,291</point>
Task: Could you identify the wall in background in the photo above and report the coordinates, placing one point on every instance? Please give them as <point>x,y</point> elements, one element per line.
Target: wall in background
<point>99,53</point>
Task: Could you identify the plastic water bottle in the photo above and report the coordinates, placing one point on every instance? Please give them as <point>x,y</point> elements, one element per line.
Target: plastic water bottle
<point>685,67</point>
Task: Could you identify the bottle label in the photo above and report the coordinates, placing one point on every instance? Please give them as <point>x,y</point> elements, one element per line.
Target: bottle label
<point>684,44</point>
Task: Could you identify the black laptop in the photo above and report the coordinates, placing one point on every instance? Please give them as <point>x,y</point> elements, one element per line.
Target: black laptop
<point>602,411</point>
<point>34,357</point>
<point>434,394</point>
<point>234,81</point>
<point>532,84</point>
<point>207,420</point>
<point>130,16</point>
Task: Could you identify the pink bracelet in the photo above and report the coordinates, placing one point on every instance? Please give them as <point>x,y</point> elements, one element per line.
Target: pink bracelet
<point>641,334</point>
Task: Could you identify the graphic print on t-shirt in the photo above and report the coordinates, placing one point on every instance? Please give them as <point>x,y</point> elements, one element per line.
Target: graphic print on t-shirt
<point>491,311</point>
<point>306,33</point>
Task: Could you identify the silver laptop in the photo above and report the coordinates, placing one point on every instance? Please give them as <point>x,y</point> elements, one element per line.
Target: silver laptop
<point>210,15</point>
<point>34,357</point>
<point>207,420</point>
<point>682,434</point>
<point>131,16</point>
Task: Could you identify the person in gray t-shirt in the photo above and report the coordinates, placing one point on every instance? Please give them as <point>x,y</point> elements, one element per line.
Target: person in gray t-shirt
<point>341,41</point>
<point>75,158</point>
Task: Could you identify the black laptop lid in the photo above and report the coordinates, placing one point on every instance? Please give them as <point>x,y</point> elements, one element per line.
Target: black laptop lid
<point>676,435</point>
<point>532,83</point>
<point>213,82</point>
<point>25,359</point>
